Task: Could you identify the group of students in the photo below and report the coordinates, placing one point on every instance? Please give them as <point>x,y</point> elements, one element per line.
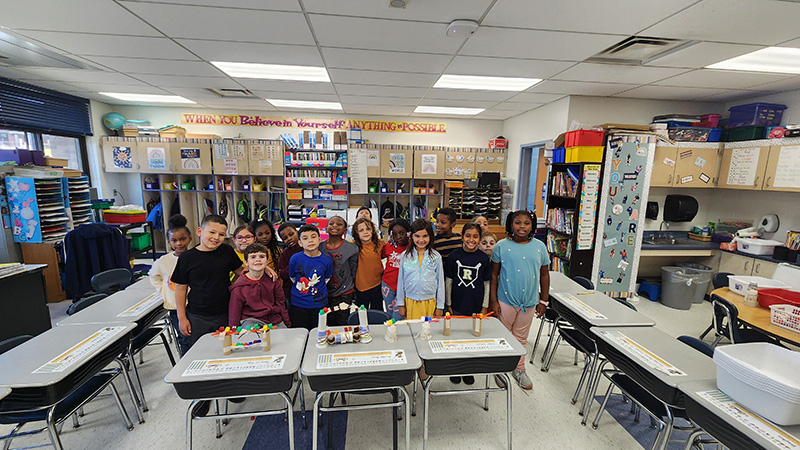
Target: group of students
<point>287,282</point>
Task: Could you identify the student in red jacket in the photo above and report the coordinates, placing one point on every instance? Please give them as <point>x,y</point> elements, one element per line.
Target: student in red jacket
<point>256,296</point>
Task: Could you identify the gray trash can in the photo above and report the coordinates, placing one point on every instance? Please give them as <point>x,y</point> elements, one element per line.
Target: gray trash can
<point>677,287</point>
<point>702,275</point>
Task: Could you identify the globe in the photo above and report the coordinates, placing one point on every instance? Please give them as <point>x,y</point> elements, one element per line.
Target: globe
<point>113,121</point>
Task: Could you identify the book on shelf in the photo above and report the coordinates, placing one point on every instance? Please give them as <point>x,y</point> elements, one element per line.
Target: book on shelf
<point>564,185</point>
<point>559,245</point>
<point>559,265</point>
<point>561,220</point>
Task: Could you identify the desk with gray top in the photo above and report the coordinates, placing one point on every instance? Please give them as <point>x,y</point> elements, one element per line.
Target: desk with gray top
<point>731,424</point>
<point>143,284</point>
<point>448,360</point>
<point>205,373</point>
<point>349,376</point>
<point>4,393</point>
<point>143,308</point>
<point>23,303</point>
<point>562,283</point>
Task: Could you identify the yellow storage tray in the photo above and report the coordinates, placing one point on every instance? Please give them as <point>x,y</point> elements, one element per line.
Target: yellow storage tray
<point>584,154</point>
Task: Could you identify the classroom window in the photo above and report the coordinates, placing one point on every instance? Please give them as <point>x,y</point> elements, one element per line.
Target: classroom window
<point>11,139</point>
<point>63,147</point>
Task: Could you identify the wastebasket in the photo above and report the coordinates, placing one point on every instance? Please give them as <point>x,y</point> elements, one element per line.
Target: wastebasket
<point>677,287</point>
<point>703,276</point>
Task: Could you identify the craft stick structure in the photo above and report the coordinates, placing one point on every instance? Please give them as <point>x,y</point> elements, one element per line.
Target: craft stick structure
<point>425,331</point>
<point>227,333</point>
<point>446,329</point>
<point>476,324</point>
<point>360,333</point>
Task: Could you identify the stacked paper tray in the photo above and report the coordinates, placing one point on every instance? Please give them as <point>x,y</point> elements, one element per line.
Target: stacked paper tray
<point>763,378</point>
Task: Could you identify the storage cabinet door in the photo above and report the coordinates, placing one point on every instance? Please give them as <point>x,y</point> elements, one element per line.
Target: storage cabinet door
<point>120,156</point>
<point>764,268</point>
<point>743,166</point>
<point>663,166</point>
<point>735,264</point>
<point>192,158</point>
<point>783,169</point>
<point>155,157</point>
<point>230,158</point>
<point>696,167</point>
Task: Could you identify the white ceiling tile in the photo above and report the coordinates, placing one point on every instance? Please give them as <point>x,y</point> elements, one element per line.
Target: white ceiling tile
<point>299,55</point>
<point>505,67</point>
<point>86,76</point>
<point>380,91</point>
<point>286,86</point>
<point>457,103</point>
<point>532,44</point>
<point>443,116</point>
<point>732,21</point>
<point>534,97</point>
<point>123,88</point>
<point>788,84</point>
<point>234,103</point>
<point>14,74</point>
<point>378,110</point>
<point>344,58</point>
<point>381,78</point>
<point>724,79</point>
<point>580,88</point>
<point>111,45</point>
<point>195,94</point>
<point>371,100</point>
<point>516,107</point>
<point>791,43</point>
<point>464,94</point>
<point>669,93</point>
<point>273,5</point>
<point>280,95</point>
<point>582,16</point>
<point>703,54</point>
<point>158,66</point>
<point>382,34</point>
<point>82,16</point>
<point>731,96</point>
<point>496,115</point>
<point>225,24</point>
<point>443,11</point>
<point>189,82</point>
<point>614,73</point>
<point>54,85</point>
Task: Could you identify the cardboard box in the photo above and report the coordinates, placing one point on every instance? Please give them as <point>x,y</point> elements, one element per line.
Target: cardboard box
<point>58,162</point>
<point>172,131</point>
<point>429,164</point>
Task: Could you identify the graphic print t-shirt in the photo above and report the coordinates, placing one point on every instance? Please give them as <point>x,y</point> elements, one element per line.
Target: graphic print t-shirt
<point>309,275</point>
<point>468,270</point>
<point>392,253</point>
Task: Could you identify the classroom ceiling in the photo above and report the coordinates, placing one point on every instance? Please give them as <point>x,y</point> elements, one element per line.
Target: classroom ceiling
<point>384,60</point>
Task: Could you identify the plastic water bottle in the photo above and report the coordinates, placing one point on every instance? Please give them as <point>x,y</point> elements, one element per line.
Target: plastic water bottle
<point>751,298</point>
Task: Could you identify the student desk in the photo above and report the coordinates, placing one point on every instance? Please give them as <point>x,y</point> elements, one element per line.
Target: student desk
<point>4,393</point>
<point>562,283</point>
<point>144,284</point>
<point>758,317</point>
<point>205,373</point>
<point>23,304</point>
<point>495,352</point>
<point>378,366</point>
<point>731,424</point>
<point>47,368</point>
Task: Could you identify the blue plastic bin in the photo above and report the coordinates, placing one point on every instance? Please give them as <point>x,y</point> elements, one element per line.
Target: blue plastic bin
<point>756,114</point>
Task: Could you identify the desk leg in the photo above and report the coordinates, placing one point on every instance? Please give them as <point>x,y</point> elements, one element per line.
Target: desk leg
<point>508,407</point>
<point>189,425</point>
<point>546,366</point>
<point>290,409</point>
<point>592,373</point>
<point>426,402</point>
<point>217,422</point>
<point>414,400</point>
<point>408,421</point>
<point>127,377</point>
<point>315,421</point>
<point>593,390</point>
<point>394,420</point>
<point>486,400</point>
<point>51,429</point>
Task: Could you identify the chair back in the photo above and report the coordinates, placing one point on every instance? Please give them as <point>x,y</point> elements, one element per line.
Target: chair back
<point>726,318</point>
<point>720,279</point>
<point>85,303</point>
<point>374,317</point>
<point>698,345</point>
<point>584,282</point>
<point>10,343</point>
<point>110,281</point>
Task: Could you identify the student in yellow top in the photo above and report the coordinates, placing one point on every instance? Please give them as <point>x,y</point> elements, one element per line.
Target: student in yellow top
<point>370,268</point>
<point>242,237</point>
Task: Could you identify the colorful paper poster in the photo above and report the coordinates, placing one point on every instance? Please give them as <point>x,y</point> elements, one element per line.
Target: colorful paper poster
<point>397,163</point>
<point>428,164</point>
<point>190,158</point>
<point>157,158</point>
<point>587,215</point>
<point>373,158</point>
<point>221,150</point>
<point>122,157</point>
<point>238,151</point>
<point>231,166</point>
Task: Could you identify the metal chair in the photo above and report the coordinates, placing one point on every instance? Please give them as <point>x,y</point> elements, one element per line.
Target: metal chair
<point>702,347</point>
<point>114,279</point>
<point>85,303</point>
<point>551,316</point>
<point>727,325</point>
<point>718,280</point>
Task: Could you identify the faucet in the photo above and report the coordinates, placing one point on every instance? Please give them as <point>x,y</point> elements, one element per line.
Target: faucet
<point>659,228</point>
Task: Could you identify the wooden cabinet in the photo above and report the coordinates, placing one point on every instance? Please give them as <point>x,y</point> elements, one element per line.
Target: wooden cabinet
<point>696,165</point>
<point>193,156</point>
<point>745,265</point>
<point>45,253</point>
<point>663,166</point>
<point>230,157</point>
<point>763,268</point>
<point>743,165</point>
<point>782,172</point>
<point>120,154</point>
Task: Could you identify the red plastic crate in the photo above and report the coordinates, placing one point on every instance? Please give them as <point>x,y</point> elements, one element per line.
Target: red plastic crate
<point>124,216</point>
<point>583,138</point>
<point>768,297</point>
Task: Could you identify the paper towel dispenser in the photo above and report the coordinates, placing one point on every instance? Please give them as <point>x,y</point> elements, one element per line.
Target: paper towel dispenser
<point>680,208</point>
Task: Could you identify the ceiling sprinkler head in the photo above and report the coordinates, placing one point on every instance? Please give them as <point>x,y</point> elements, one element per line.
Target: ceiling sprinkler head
<point>397,4</point>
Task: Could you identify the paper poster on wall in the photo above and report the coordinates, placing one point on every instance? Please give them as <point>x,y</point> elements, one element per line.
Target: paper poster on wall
<point>238,151</point>
<point>397,163</point>
<point>588,209</point>
<point>787,174</point>
<point>156,158</point>
<point>122,157</point>
<point>744,164</point>
<point>273,152</point>
<point>221,150</point>
<point>190,158</point>
<point>231,166</point>
<point>265,167</point>
<point>428,165</point>
<point>357,166</point>
<point>373,158</point>
<point>257,151</point>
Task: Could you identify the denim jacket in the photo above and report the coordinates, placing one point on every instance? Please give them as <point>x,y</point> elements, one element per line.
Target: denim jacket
<point>420,282</point>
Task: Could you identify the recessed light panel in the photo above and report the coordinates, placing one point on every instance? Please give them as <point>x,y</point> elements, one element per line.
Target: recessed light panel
<point>481,83</point>
<point>301,104</point>
<point>273,71</point>
<point>770,59</point>
<point>448,110</point>
<point>147,98</point>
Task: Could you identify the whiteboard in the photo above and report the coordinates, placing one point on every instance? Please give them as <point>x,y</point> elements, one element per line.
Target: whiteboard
<point>744,162</point>
<point>787,174</point>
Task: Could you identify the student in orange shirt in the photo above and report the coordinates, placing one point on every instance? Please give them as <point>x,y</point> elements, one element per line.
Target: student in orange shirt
<point>370,268</point>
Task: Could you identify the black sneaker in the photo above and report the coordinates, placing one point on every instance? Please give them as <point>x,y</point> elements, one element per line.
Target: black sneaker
<point>201,408</point>
<point>469,379</point>
<point>456,380</point>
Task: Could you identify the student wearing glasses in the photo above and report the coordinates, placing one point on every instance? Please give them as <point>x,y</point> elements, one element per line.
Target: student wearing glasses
<point>242,237</point>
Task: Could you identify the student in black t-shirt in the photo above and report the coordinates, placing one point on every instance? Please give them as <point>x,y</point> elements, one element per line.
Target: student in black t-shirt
<point>206,270</point>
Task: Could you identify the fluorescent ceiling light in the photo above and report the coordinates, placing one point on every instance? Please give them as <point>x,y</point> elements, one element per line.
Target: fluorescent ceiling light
<point>301,104</point>
<point>273,71</point>
<point>448,110</point>
<point>485,83</point>
<point>770,59</point>
<point>147,98</point>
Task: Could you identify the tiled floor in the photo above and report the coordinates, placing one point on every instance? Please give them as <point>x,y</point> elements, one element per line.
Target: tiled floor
<point>542,418</point>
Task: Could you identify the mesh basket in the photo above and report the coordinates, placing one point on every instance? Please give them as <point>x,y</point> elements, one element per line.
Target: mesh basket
<point>786,316</point>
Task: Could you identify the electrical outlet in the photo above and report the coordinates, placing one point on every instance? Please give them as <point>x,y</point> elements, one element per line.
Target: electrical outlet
<point>116,192</point>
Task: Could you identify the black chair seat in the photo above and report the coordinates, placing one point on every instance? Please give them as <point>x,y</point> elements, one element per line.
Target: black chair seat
<point>577,340</point>
<point>65,407</point>
<point>643,397</point>
<point>144,338</point>
<point>749,335</point>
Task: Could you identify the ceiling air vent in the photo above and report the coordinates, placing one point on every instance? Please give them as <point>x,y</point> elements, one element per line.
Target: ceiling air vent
<point>230,93</point>
<point>638,50</point>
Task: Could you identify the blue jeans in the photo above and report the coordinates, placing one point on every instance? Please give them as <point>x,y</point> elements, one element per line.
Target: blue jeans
<point>390,301</point>
<point>183,341</point>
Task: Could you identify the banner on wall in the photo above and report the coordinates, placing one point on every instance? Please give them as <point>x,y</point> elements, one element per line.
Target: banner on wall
<point>626,181</point>
<point>247,120</point>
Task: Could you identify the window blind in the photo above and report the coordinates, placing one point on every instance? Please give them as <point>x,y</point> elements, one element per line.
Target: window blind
<point>39,109</point>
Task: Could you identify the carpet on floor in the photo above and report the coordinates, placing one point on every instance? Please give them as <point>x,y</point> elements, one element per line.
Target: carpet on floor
<point>272,432</point>
<point>641,431</point>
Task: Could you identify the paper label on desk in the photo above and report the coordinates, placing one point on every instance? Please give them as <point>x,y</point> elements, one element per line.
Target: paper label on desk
<point>774,434</point>
<point>470,345</point>
<point>644,355</point>
<point>234,365</point>
<point>149,302</point>
<point>79,351</point>
<point>581,308</point>
<point>361,359</point>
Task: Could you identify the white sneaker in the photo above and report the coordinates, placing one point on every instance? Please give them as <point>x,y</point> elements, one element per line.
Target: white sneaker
<point>522,379</point>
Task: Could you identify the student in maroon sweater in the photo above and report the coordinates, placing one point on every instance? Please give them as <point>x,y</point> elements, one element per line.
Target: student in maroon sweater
<point>255,296</point>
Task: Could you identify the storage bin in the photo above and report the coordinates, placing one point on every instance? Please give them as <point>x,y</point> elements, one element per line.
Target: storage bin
<point>559,156</point>
<point>745,133</point>
<point>294,194</point>
<point>694,134</point>
<point>786,316</point>
<point>111,216</point>
<point>583,138</point>
<point>702,275</point>
<point>140,241</point>
<point>584,154</point>
<point>756,114</point>
<point>739,283</point>
<point>713,118</point>
<point>763,378</point>
<point>677,287</point>
<point>757,246</point>
<point>769,297</point>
